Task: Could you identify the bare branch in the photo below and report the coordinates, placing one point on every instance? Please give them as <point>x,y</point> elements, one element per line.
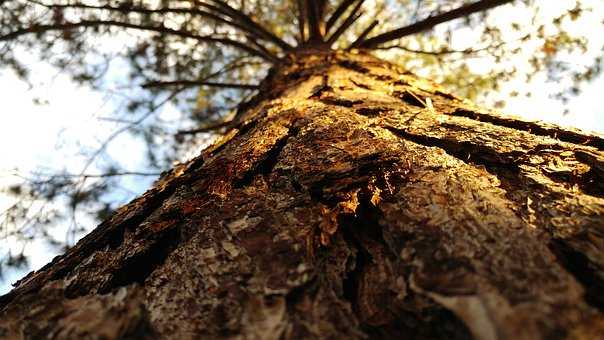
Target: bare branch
<point>301,20</point>
<point>135,9</point>
<point>353,16</point>
<point>189,83</point>
<point>254,26</point>
<point>235,64</point>
<point>314,26</point>
<point>435,53</point>
<point>108,174</point>
<point>432,21</point>
<point>160,29</point>
<point>232,15</point>
<point>260,48</point>
<point>363,35</point>
<point>445,51</point>
<point>342,7</point>
<point>154,108</point>
<point>321,4</point>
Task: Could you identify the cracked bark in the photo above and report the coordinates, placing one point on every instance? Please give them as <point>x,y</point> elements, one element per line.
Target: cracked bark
<point>350,200</point>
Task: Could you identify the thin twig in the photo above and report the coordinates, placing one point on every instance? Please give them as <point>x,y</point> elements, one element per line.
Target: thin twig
<point>254,26</point>
<point>189,83</point>
<point>432,21</point>
<point>364,35</point>
<point>342,7</point>
<point>441,52</point>
<point>313,21</point>
<point>111,137</point>
<point>353,16</point>
<point>134,9</point>
<point>113,23</point>
<point>235,64</point>
<point>109,174</point>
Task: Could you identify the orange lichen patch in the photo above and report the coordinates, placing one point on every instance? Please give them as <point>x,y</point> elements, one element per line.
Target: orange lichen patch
<point>375,196</point>
<point>221,184</point>
<point>220,188</point>
<point>180,169</point>
<point>329,222</point>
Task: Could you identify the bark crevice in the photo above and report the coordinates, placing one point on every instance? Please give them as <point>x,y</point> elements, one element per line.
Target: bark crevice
<point>501,163</point>
<point>383,314</point>
<point>138,268</point>
<point>536,128</point>
<point>465,151</point>
<point>584,270</point>
<point>271,157</point>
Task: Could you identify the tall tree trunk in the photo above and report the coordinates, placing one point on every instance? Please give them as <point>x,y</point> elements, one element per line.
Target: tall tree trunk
<point>351,200</point>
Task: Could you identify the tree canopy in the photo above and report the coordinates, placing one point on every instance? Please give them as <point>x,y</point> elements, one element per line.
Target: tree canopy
<point>207,56</point>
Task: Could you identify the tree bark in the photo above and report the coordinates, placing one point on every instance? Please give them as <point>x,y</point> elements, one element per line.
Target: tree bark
<point>350,200</point>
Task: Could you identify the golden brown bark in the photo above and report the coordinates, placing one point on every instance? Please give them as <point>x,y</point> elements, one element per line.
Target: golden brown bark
<point>350,200</point>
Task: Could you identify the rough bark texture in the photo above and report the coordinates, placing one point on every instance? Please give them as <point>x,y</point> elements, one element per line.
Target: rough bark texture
<point>351,200</point>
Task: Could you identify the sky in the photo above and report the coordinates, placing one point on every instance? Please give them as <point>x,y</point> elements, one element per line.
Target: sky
<point>71,117</point>
<point>585,111</point>
<point>51,137</point>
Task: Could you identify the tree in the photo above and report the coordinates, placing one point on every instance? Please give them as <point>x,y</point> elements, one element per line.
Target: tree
<point>144,54</point>
<point>348,198</point>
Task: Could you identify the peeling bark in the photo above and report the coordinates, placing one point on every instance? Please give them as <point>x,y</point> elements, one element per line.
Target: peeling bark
<point>350,200</point>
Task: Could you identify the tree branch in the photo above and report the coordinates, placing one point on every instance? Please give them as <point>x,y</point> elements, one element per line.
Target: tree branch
<point>353,16</point>
<point>443,51</point>
<point>116,133</point>
<point>363,35</point>
<point>130,9</point>
<point>235,64</point>
<point>432,21</point>
<point>254,26</point>
<point>314,26</point>
<point>321,4</point>
<point>108,174</point>
<point>260,48</point>
<point>159,29</point>
<point>342,7</point>
<point>189,83</point>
